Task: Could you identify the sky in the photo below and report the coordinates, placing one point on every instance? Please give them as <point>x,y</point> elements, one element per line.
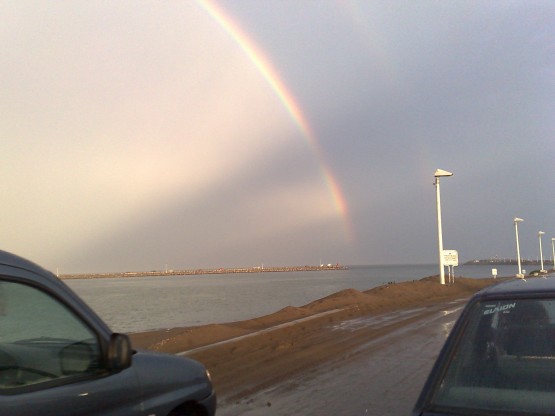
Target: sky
<point>139,135</point>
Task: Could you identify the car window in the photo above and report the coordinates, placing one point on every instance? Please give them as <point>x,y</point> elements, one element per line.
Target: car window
<point>41,339</point>
<point>504,360</point>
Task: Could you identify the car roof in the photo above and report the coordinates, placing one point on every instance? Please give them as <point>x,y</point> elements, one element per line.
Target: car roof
<point>530,286</point>
<point>12,260</point>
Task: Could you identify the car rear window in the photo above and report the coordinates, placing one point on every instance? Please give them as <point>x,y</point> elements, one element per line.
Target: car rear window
<point>504,360</point>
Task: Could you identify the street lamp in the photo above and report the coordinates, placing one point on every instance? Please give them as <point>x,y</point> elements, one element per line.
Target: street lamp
<point>516,221</point>
<point>540,233</point>
<point>553,253</point>
<point>438,174</point>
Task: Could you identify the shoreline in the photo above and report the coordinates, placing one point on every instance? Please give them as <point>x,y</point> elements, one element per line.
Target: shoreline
<point>247,356</point>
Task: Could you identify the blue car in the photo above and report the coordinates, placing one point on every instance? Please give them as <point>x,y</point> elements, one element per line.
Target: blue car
<point>500,356</point>
<point>58,358</point>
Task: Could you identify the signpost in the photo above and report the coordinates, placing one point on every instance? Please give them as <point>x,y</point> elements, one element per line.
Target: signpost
<point>451,259</point>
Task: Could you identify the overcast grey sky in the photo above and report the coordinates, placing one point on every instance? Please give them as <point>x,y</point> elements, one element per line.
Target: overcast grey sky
<point>136,134</point>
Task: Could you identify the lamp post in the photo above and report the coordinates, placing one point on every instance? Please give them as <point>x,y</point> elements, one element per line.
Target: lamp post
<point>438,174</point>
<point>540,233</point>
<point>553,253</point>
<point>516,221</point>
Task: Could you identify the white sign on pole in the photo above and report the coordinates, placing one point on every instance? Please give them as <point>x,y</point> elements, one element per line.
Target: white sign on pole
<point>494,273</point>
<point>450,257</point>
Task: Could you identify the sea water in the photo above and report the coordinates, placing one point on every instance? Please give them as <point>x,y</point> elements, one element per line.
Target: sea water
<point>136,304</point>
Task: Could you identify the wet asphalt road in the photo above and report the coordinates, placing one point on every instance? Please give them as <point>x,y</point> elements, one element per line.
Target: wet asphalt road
<point>383,377</point>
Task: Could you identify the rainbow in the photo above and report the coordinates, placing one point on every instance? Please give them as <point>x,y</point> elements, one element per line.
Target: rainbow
<point>288,101</point>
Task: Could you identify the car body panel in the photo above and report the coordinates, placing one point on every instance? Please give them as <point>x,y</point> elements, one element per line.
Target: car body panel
<point>165,388</point>
<point>111,395</point>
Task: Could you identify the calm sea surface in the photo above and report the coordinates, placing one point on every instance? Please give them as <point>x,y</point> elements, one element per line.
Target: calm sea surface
<point>143,303</point>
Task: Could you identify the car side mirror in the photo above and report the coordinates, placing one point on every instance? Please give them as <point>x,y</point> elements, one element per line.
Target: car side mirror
<point>119,352</point>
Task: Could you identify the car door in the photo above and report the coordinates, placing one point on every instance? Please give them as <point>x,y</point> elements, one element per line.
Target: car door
<point>51,361</point>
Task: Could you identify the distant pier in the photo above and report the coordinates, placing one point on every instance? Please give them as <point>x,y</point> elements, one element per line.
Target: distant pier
<point>498,262</point>
<point>195,272</point>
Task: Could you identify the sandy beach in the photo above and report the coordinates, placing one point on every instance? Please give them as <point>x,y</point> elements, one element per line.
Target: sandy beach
<point>250,356</point>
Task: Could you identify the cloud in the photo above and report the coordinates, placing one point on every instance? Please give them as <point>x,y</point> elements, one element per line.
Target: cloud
<point>135,133</point>
<point>123,120</point>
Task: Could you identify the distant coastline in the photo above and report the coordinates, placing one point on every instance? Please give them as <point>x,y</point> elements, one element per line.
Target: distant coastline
<point>194,272</point>
<point>498,262</point>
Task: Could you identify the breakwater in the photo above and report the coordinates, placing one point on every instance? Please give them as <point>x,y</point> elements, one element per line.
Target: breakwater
<point>194,272</point>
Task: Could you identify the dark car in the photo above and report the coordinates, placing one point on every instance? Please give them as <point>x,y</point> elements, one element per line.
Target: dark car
<point>57,357</point>
<point>500,356</point>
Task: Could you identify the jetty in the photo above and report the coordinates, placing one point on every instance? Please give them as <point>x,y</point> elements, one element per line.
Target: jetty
<point>501,261</point>
<point>194,272</point>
